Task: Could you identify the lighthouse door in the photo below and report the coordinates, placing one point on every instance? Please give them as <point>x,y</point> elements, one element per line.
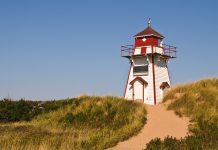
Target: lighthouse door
<point>138,91</point>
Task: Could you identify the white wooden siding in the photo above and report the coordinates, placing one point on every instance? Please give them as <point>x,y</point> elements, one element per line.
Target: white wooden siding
<point>161,75</point>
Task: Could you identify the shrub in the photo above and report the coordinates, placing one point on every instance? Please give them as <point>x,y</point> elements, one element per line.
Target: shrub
<point>22,110</point>
<point>200,141</point>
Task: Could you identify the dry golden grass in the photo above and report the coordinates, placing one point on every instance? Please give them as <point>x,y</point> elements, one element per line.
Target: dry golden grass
<point>88,123</point>
<point>198,100</point>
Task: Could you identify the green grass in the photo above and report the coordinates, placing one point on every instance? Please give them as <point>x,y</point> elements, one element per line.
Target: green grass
<point>199,102</point>
<point>83,123</point>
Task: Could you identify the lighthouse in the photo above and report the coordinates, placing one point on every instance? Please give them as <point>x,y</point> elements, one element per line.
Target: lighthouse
<point>148,76</point>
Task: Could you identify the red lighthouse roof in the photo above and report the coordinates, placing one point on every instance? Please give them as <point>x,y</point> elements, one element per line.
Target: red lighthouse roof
<point>149,31</point>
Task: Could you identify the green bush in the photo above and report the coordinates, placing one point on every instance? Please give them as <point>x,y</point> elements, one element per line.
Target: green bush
<point>22,110</point>
<point>206,139</point>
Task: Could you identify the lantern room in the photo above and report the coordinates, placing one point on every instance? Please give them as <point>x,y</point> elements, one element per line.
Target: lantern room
<point>148,37</point>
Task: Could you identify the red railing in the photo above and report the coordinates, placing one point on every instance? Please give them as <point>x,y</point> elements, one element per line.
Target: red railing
<point>168,51</point>
<point>127,50</point>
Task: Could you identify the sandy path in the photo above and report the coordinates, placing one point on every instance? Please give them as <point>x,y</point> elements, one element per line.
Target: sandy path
<point>160,123</point>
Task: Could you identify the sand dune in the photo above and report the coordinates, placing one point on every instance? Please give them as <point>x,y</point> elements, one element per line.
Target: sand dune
<point>160,123</point>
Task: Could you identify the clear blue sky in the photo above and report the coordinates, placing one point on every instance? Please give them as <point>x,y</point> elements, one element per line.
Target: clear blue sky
<point>53,49</point>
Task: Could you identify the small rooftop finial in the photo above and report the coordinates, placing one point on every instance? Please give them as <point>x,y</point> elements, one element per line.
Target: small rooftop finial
<point>149,22</point>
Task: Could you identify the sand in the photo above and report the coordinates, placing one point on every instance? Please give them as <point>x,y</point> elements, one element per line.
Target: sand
<point>160,123</point>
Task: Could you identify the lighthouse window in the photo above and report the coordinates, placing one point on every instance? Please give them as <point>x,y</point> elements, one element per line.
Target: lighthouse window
<point>140,70</point>
<point>160,42</point>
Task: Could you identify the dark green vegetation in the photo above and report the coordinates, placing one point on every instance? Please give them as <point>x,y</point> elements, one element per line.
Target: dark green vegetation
<point>22,110</point>
<point>79,123</point>
<point>199,101</point>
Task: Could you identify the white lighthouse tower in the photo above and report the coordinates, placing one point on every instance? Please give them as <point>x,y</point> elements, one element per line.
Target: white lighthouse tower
<point>148,74</point>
